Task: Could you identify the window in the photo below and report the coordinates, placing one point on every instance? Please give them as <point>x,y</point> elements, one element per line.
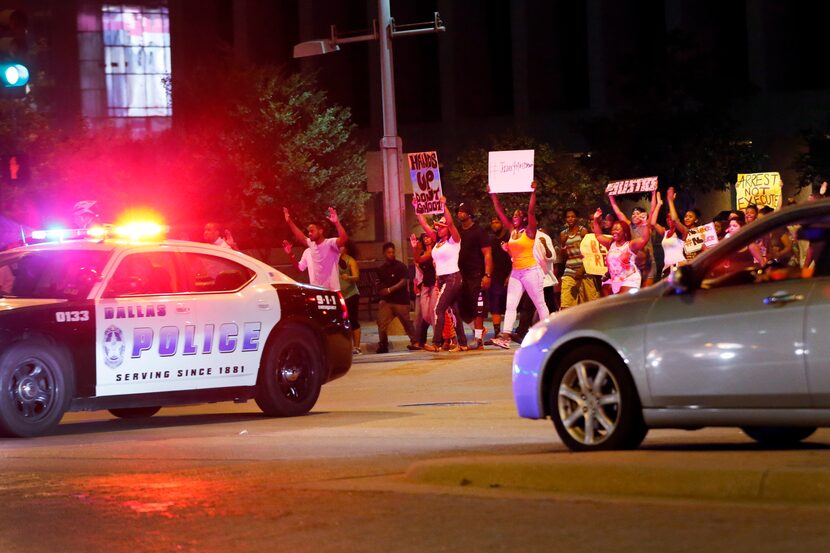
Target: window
<point>145,273</point>
<point>51,274</point>
<point>791,250</point>
<point>208,273</point>
<point>136,60</point>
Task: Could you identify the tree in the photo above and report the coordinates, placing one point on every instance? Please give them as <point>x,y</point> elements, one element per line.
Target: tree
<point>240,149</point>
<point>267,140</point>
<point>563,179</point>
<point>813,166</point>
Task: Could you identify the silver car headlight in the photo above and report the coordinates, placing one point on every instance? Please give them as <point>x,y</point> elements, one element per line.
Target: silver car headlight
<point>534,335</point>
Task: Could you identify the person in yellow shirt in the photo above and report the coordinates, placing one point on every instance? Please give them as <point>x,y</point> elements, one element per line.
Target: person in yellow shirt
<point>526,275</point>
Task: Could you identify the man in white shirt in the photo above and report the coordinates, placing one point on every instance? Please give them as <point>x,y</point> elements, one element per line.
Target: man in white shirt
<point>322,255</point>
<point>212,235</point>
<point>545,254</point>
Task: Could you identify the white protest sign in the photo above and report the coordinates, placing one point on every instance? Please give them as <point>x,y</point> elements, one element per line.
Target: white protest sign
<point>511,171</point>
<point>426,182</point>
<point>631,186</point>
<point>700,236</point>
<point>593,255</point>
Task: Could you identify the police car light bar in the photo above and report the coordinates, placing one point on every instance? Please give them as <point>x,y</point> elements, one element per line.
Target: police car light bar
<point>130,231</point>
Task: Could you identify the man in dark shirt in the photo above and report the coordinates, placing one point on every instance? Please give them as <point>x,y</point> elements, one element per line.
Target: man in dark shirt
<point>502,265</point>
<point>475,262</point>
<point>394,293</point>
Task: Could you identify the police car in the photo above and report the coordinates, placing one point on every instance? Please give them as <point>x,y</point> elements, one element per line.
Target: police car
<point>132,325</point>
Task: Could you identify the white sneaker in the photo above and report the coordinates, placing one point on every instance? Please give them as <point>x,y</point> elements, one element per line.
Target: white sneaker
<point>502,342</point>
<point>356,351</point>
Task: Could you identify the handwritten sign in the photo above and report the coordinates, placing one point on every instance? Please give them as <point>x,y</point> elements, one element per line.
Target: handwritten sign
<point>758,188</point>
<point>511,171</point>
<point>426,182</point>
<point>698,237</point>
<point>631,186</point>
<point>593,255</point>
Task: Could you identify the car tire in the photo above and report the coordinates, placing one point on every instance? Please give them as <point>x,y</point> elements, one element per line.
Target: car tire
<point>291,375</point>
<point>134,412</point>
<point>779,436</point>
<point>588,417</point>
<point>36,385</point>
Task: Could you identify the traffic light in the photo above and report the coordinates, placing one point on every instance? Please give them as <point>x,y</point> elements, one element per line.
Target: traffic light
<point>14,72</point>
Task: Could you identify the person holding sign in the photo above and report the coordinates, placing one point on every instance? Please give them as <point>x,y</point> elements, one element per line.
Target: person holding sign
<point>445,255</point>
<point>623,275</point>
<point>526,275</point>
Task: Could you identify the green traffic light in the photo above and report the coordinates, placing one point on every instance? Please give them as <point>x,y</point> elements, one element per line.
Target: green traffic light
<point>13,75</point>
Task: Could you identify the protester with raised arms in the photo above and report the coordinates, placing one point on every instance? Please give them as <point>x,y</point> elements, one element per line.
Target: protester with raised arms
<point>526,275</point>
<point>323,254</point>
<point>445,255</point>
<point>623,274</point>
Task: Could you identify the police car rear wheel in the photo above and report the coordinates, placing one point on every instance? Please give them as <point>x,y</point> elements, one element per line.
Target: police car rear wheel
<point>134,412</point>
<point>36,386</point>
<point>292,374</point>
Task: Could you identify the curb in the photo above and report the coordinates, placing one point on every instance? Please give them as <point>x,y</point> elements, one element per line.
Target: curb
<point>731,484</point>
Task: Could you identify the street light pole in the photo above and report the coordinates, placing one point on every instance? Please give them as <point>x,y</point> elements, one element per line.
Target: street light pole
<point>394,210</point>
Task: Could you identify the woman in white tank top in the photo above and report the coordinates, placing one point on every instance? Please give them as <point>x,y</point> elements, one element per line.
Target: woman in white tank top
<point>448,277</point>
<point>674,234</point>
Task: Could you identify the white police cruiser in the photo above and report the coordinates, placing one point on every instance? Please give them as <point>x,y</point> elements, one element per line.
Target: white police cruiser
<point>134,325</point>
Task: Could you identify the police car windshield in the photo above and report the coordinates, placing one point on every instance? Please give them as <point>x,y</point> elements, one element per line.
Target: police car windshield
<point>64,274</point>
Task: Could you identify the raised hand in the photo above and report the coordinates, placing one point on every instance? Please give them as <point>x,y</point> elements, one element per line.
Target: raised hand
<point>333,216</point>
<point>670,195</point>
<point>597,213</point>
<point>286,245</point>
<point>287,215</point>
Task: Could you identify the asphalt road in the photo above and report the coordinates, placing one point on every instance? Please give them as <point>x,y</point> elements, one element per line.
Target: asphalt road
<point>406,453</point>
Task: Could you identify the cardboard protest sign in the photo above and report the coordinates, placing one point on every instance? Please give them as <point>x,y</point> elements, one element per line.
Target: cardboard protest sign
<point>631,186</point>
<point>426,182</point>
<point>700,236</point>
<point>758,188</point>
<point>511,171</point>
<point>593,255</point>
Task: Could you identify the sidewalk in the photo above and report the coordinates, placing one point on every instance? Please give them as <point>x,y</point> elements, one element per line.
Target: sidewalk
<point>398,342</point>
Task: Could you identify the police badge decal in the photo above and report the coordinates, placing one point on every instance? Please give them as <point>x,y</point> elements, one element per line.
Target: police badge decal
<point>113,347</point>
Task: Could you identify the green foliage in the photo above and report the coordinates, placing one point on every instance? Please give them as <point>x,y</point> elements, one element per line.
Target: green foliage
<point>562,179</point>
<point>241,148</point>
<point>274,140</point>
<point>813,166</point>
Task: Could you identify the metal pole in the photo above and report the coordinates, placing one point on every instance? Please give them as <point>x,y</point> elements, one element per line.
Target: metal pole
<point>394,212</point>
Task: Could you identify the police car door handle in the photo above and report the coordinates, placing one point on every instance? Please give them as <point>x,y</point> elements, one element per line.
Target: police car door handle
<point>263,305</point>
<point>181,308</point>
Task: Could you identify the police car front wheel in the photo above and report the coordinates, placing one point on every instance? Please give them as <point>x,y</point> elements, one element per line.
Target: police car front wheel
<point>36,386</point>
<point>291,374</point>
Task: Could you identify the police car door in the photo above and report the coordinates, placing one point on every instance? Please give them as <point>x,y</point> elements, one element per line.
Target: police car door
<point>146,325</point>
<point>236,313</point>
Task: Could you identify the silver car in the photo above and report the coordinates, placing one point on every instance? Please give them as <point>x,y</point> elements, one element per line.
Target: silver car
<point>722,342</point>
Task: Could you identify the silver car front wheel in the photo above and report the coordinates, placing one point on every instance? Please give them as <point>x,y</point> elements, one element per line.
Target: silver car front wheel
<point>594,404</point>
